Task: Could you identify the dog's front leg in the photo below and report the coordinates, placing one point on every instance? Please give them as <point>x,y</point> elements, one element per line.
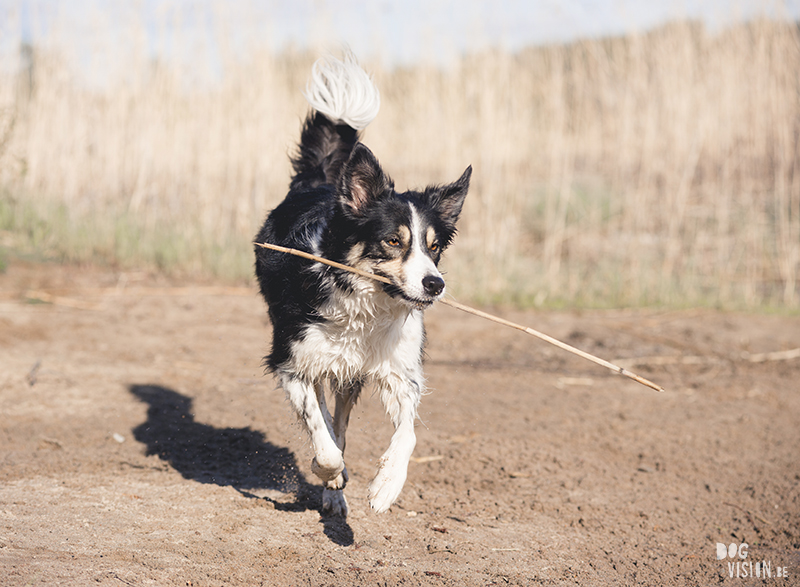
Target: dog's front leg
<point>400,399</point>
<point>308,401</point>
<point>333,500</point>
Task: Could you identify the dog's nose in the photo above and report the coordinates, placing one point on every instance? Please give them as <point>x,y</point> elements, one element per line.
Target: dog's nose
<point>433,285</point>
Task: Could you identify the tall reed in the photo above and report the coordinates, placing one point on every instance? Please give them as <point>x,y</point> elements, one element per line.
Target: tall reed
<point>659,168</point>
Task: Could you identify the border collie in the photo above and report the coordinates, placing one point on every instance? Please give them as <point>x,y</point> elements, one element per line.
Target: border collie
<point>336,328</point>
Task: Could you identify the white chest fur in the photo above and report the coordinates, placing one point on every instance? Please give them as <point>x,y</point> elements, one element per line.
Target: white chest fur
<point>365,335</point>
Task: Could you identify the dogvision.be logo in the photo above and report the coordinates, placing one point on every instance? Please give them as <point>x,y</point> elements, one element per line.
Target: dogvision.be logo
<point>741,568</point>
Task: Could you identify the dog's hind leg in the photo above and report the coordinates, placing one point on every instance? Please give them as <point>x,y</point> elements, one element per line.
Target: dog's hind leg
<point>308,401</point>
<point>400,399</point>
<point>346,397</point>
<point>333,500</point>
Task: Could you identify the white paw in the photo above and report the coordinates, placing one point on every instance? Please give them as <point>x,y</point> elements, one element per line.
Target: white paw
<point>330,471</point>
<point>388,483</point>
<point>339,481</point>
<point>334,503</point>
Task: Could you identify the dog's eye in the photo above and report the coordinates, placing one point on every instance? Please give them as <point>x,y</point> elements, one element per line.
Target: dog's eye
<point>393,242</point>
<point>434,248</point>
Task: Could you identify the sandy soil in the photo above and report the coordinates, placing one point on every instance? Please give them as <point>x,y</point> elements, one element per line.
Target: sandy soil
<point>141,444</point>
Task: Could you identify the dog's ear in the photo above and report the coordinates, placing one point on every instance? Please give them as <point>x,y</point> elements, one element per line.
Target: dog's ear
<point>362,180</point>
<point>448,199</point>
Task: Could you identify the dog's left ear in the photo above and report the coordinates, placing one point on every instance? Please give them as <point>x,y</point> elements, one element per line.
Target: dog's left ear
<point>362,181</point>
<point>448,199</point>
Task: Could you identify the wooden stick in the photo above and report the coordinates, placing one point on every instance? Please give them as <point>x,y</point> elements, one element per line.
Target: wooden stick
<point>473,311</point>
<point>556,342</point>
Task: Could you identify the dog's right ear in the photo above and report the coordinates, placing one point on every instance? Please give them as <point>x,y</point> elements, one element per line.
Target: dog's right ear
<point>362,180</point>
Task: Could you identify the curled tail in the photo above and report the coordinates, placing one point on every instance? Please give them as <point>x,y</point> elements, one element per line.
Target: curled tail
<point>344,101</point>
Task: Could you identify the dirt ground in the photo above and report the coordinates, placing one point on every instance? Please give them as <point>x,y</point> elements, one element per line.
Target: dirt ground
<point>141,444</point>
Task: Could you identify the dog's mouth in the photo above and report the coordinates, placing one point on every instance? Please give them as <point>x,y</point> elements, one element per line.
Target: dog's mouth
<point>397,292</point>
<point>418,304</point>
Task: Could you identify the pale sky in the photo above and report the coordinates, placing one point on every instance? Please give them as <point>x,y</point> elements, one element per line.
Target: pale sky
<point>395,31</point>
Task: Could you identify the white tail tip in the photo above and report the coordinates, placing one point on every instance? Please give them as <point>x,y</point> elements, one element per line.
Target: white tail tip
<point>343,92</point>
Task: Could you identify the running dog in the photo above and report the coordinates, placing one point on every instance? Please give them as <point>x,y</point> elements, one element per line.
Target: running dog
<point>336,328</point>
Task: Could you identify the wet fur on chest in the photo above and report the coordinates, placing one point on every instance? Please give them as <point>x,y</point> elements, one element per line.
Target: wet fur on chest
<point>362,335</point>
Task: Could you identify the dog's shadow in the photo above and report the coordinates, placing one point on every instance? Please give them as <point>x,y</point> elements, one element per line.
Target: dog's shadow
<point>237,457</point>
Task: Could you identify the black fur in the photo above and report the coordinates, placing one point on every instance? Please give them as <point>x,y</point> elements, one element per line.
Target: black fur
<point>339,197</point>
<point>324,148</point>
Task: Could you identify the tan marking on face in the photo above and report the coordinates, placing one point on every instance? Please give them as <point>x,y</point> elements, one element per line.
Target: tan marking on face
<point>399,242</point>
<point>430,237</point>
<point>355,259</point>
<point>354,256</point>
<point>394,270</point>
<point>404,234</point>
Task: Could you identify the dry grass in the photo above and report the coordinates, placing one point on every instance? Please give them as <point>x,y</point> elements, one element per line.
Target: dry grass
<point>653,169</point>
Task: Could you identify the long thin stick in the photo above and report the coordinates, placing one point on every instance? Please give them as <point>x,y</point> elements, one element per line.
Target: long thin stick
<point>473,311</point>
<point>556,342</point>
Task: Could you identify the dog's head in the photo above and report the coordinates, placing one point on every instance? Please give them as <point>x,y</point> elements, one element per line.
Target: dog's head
<point>400,236</point>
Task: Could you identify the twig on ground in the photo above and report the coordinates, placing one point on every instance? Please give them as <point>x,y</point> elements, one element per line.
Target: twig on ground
<point>47,298</point>
<point>428,459</point>
<point>774,356</point>
<point>473,311</point>
<point>662,360</point>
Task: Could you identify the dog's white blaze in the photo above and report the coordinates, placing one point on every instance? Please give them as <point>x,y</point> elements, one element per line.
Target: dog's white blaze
<point>419,264</point>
